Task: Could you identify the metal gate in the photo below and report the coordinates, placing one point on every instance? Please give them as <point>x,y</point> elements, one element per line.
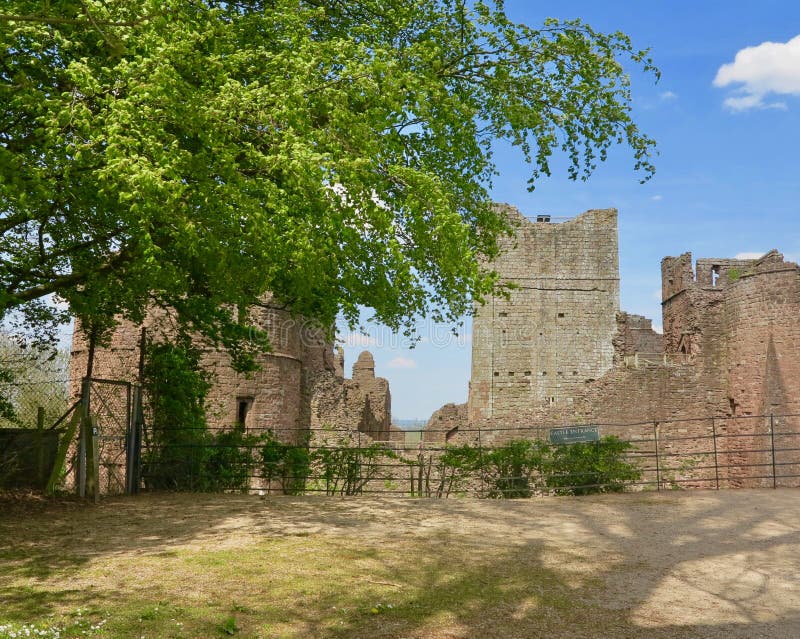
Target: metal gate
<point>110,436</point>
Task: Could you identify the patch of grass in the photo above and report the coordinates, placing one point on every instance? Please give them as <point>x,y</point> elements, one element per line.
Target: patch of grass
<point>228,626</point>
<point>312,587</point>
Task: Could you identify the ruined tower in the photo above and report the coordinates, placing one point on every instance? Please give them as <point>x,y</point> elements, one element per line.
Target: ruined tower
<point>540,346</point>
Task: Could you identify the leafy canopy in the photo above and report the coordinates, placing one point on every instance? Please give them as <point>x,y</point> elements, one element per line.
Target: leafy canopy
<point>196,154</point>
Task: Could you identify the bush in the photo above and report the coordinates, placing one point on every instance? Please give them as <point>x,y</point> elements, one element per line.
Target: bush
<point>346,470</point>
<point>181,452</point>
<point>290,463</point>
<point>592,467</point>
<point>228,461</point>
<point>512,466</point>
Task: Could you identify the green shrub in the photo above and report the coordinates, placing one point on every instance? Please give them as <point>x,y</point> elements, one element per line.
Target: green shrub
<point>290,463</point>
<point>228,461</point>
<point>181,453</point>
<point>592,467</point>
<point>345,469</point>
<point>512,466</point>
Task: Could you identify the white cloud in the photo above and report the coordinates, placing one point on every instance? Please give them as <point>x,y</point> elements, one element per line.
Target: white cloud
<point>358,339</point>
<point>668,95</point>
<point>768,68</point>
<point>402,362</point>
<point>657,198</point>
<point>748,255</point>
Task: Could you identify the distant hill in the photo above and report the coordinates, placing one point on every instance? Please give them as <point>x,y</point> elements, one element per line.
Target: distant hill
<point>409,424</point>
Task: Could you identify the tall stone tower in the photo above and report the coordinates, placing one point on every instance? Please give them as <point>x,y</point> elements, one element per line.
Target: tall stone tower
<point>538,348</point>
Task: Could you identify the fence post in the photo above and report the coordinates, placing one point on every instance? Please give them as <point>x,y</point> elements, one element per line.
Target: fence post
<point>40,446</point>
<point>480,460</point>
<point>772,441</point>
<point>133,452</point>
<point>658,467</point>
<point>714,439</point>
<point>358,466</point>
<point>93,466</point>
<point>83,440</point>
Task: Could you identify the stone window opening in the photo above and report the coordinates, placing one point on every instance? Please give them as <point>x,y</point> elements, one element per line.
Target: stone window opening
<point>503,314</point>
<point>560,315</point>
<point>497,374</point>
<point>551,401</point>
<point>714,275</point>
<point>544,373</point>
<point>527,373</point>
<point>243,406</point>
<point>511,373</point>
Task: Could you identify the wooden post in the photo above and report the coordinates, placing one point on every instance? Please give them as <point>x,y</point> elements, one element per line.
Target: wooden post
<point>95,465</point>
<point>134,443</point>
<point>92,473</point>
<point>63,449</point>
<point>658,467</point>
<point>40,476</point>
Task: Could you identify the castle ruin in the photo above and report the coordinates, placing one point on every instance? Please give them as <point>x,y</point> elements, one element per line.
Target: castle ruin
<point>557,350</point>
<point>299,384</point>
<point>554,350</point>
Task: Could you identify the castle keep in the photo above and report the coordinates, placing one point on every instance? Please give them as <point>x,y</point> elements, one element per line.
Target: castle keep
<point>539,346</point>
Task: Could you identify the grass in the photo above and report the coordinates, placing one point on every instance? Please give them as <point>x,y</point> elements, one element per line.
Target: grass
<point>190,566</point>
<point>314,586</point>
<point>202,583</point>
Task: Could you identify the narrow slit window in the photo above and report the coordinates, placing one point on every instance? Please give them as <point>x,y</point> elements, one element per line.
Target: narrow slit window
<point>243,405</point>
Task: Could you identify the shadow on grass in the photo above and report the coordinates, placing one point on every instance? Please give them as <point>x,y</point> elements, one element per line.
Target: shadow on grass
<point>317,567</point>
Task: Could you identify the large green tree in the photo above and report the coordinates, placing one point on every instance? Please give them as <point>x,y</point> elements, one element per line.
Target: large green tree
<point>197,154</point>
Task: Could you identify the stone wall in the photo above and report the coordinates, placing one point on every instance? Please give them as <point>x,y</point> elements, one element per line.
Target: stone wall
<point>362,404</point>
<point>446,423</point>
<point>554,331</point>
<point>634,335</point>
<point>279,396</point>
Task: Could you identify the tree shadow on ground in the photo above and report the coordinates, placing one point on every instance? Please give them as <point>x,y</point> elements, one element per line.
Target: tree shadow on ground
<point>699,564</point>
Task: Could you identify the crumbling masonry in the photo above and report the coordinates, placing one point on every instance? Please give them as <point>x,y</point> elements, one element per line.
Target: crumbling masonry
<point>299,384</point>
<point>558,350</point>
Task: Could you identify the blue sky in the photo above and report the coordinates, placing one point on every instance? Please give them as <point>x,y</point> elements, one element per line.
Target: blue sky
<point>728,174</point>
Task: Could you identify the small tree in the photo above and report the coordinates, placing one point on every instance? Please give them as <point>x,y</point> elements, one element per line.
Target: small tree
<point>176,388</point>
<point>31,377</point>
<point>289,463</point>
